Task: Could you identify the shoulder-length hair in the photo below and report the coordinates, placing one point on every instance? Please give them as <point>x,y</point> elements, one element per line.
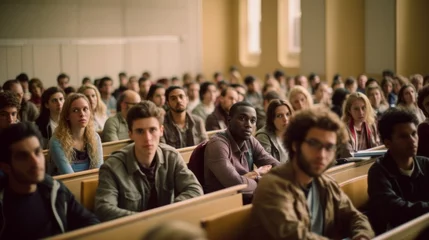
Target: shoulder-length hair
<point>64,135</point>
<point>271,112</point>
<point>45,113</point>
<point>401,99</point>
<point>100,110</point>
<point>369,111</point>
<point>300,89</point>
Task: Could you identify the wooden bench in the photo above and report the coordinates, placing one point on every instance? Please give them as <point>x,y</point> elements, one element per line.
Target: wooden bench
<point>355,170</point>
<point>73,181</point>
<point>87,195</point>
<point>357,190</point>
<point>410,230</point>
<point>186,153</point>
<point>212,133</point>
<point>109,147</point>
<point>229,225</point>
<point>135,226</point>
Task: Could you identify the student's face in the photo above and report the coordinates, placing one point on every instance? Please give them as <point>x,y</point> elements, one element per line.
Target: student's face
<point>27,165</point>
<point>107,87</point>
<point>63,83</point>
<point>211,94</point>
<point>281,119</point>
<point>17,88</point>
<point>352,88</point>
<point>144,86</point>
<point>299,102</point>
<point>396,86</point>
<point>178,101</point>
<point>133,84</point>
<point>229,99</point>
<point>194,91</point>
<point>129,101</point>
<point>79,114</point>
<point>418,84</point>
<point>404,140</point>
<point>303,81</point>
<point>362,81</point>
<point>375,98</point>
<point>159,97</point>
<point>387,88</point>
<point>55,104</point>
<point>242,123</point>
<point>36,91</point>
<point>241,93</point>
<point>8,116</point>
<point>92,97</point>
<point>322,93</point>
<point>409,95</point>
<point>146,133</point>
<point>312,159</point>
<point>357,110</point>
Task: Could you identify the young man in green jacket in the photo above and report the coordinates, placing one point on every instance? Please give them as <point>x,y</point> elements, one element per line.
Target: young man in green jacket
<point>146,174</point>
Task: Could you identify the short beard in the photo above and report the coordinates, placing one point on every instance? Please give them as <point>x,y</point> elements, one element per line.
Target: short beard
<point>178,110</point>
<point>303,164</point>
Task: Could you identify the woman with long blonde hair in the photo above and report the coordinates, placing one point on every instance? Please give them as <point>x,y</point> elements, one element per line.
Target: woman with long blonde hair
<point>75,145</point>
<point>300,98</point>
<point>98,108</point>
<point>359,117</point>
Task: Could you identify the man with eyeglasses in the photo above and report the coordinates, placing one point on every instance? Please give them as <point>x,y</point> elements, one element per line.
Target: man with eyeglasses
<point>9,108</point>
<point>298,201</point>
<point>116,127</point>
<point>230,156</point>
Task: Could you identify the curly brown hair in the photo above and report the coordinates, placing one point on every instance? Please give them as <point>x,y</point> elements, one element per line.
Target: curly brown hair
<point>314,117</point>
<point>9,99</point>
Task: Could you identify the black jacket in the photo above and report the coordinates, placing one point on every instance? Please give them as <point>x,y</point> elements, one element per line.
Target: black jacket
<point>395,198</point>
<point>68,213</point>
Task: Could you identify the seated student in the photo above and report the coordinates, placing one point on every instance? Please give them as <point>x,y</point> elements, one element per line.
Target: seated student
<point>33,205</point>
<point>377,100</point>
<point>300,98</point>
<point>389,95</point>
<point>350,84</point>
<point>52,104</point>
<point>36,90</point>
<point>193,92</point>
<point>75,146</point>
<point>219,118</point>
<point>181,128</point>
<point>338,98</point>
<point>229,156</point>
<point>423,129</point>
<point>261,111</point>
<point>241,90</point>
<point>271,136</point>
<point>9,108</point>
<point>208,95</point>
<point>398,181</point>
<point>28,111</point>
<point>253,95</point>
<point>362,79</point>
<point>116,127</point>
<point>359,118</point>
<point>63,81</point>
<point>98,108</point>
<point>156,95</point>
<point>296,200</point>
<point>407,100</point>
<point>159,174</point>
<point>106,92</point>
<point>322,95</point>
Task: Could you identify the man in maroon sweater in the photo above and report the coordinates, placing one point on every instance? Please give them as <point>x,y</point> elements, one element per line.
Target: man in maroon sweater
<point>229,156</point>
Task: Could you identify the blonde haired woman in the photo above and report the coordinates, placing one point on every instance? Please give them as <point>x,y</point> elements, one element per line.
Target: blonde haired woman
<point>98,108</point>
<point>300,98</point>
<point>75,146</point>
<point>359,117</point>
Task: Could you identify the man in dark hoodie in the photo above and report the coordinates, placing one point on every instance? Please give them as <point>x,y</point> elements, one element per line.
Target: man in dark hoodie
<point>398,181</point>
<point>33,204</point>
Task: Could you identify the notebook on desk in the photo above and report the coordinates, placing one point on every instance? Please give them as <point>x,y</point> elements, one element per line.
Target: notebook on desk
<point>365,153</point>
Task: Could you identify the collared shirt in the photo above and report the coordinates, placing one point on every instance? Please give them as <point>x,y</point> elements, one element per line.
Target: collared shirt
<point>195,132</point>
<point>116,128</point>
<point>111,105</point>
<point>225,162</point>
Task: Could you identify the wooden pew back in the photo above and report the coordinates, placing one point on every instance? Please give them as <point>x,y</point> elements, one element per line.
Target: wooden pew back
<point>410,230</point>
<point>109,147</point>
<point>135,226</point>
<point>73,181</point>
<point>357,190</point>
<point>212,133</point>
<point>186,153</point>
<point>227,225</point>
<point>88,190</point>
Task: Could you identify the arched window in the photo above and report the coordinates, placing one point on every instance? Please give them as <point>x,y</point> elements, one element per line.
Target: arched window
<point>289,32</point>
<point>250,32</point>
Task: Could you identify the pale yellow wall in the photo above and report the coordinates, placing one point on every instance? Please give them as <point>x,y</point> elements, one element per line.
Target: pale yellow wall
<point>345,43</point>
<point>412,37</point>
<point>218,37</point>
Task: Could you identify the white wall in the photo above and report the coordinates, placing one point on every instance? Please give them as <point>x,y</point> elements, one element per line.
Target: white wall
<point>99,37</point>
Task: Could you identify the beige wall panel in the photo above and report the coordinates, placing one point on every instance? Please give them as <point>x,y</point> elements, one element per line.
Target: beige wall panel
<point>114,61</point>
<point>27,60</point>
<point>14,61</point>
<point>100,19</point>
<point>69,63</point>
<point>169,59</point>
<point>141,57</point>
<point>91,60</point>
<point>3,65</point>
<point>313,39</point>
<point>47,63</point>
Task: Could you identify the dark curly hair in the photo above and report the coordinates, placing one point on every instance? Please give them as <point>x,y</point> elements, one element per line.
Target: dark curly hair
<point>9,99</point>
